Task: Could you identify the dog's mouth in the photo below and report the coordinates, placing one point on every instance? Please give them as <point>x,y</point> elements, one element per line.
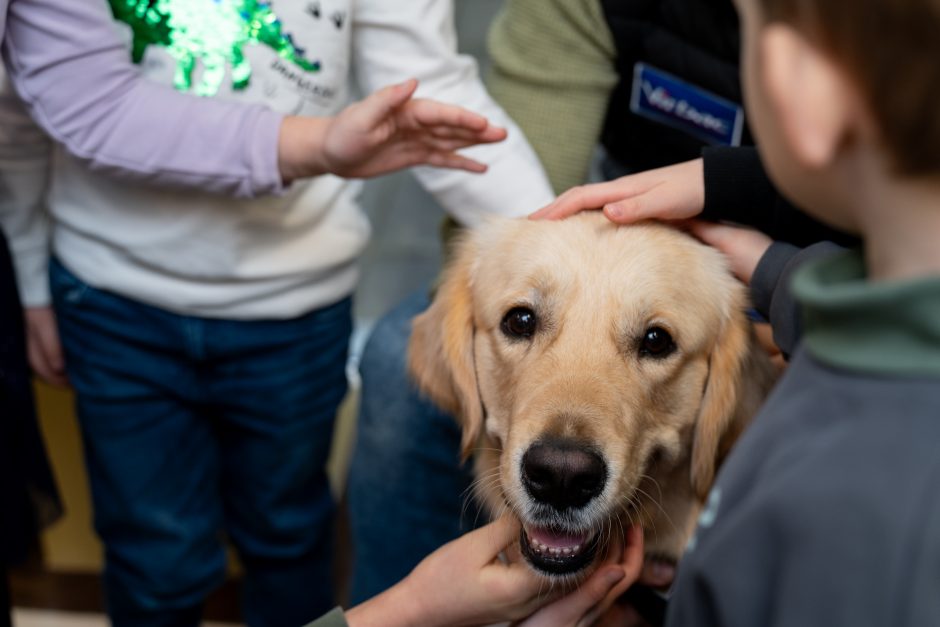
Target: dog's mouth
<point>557,552</point>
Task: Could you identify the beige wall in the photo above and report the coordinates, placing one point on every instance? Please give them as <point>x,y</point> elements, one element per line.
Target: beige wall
<point>70,544</point>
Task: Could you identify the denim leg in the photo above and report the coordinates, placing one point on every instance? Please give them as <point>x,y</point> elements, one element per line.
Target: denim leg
<point>407,490</point>
<point>276,386</point>
<point>152,459</point>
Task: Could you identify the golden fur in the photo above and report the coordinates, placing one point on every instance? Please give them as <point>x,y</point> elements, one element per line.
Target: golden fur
<point>661,426</point>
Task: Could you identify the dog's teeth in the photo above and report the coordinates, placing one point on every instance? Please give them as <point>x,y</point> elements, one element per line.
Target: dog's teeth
<point>543,549</point>
<point>536,545</point>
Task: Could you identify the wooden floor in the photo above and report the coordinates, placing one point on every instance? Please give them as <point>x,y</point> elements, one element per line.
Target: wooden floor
<point>81,593</point>
<point>48,618</point>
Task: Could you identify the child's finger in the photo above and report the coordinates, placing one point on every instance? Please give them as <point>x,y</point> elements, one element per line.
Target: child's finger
<point>656,202</point>
<point>454,161</point>
<point>574,607</point>
<point>743,247</point>
<point>711,233</point>
<point>430,113</point>
<point>450,145</point>
<point>401,93</point>
<point>584,197</point>
<point>448,133</point>
<point>631,564</point>
<point>633,551</point>
<point>492,539</point>
<point>378,105</point>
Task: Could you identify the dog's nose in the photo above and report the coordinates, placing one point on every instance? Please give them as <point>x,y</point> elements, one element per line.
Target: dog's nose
<point>563,474</point>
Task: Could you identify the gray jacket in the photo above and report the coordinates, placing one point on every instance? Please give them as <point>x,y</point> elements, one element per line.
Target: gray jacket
<point>826,512</point>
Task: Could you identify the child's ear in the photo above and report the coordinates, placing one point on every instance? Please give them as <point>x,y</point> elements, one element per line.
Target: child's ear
<point>808,94</point>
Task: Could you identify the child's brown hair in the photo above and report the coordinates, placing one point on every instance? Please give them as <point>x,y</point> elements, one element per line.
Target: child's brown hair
<point>891,50</point>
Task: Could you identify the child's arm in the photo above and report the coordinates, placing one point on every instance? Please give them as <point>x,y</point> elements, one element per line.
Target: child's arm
<point>74,73</point>
<point>24,166</point>
<point>725,184</point>
<point>387,131</point>
<point>466,582</point>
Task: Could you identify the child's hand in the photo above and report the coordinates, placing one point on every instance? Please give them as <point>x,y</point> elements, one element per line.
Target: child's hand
<point>386,131</point>
<point>43,345</point>
<point>462,583</point>
<point>743,247</point>
<point>674,192</point>
<point>466,583</point>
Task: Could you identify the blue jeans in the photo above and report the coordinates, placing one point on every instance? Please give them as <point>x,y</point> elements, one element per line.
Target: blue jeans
<point>200,429</point>
<point>407,491</point>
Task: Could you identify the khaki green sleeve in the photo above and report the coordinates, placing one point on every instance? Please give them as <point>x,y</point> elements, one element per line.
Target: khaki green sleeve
<point>553,72</point>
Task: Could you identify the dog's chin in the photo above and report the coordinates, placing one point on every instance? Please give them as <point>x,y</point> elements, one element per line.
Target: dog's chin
<point>559,554</point>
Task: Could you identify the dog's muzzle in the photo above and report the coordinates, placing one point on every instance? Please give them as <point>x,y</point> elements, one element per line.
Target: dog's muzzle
<point>560,477</point>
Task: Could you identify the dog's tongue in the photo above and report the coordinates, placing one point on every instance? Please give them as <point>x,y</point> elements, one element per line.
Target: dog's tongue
<point>555,539</point>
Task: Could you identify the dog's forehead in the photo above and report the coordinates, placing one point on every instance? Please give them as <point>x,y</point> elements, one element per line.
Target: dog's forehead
<point>640,265</point>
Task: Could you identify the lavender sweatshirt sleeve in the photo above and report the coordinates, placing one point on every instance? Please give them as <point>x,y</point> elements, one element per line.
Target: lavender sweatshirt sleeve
<point>67,62</point>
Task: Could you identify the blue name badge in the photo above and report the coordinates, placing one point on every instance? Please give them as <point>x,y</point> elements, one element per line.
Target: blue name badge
<point>671,101</point>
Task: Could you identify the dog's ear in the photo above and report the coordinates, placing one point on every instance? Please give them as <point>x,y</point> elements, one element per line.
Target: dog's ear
<point>739,376</point>
<point>440,352</point>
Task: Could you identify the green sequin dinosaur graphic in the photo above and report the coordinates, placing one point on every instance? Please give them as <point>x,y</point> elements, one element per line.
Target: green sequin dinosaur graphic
<point>210,32</point>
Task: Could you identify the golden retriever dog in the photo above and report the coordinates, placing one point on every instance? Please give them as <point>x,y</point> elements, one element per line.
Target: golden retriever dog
<point>600,374</point>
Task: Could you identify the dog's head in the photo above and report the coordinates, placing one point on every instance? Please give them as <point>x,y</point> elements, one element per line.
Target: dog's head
<point>601,372</point>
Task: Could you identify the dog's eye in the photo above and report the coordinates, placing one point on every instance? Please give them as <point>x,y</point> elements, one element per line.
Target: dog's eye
<point>657,343</point>
<point>519,322</point>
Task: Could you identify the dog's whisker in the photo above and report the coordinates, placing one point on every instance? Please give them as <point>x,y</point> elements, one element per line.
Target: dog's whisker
<point>660,508</point>
<point>469,495</point>
<point>480,485</point>
<point>623,532</point>
<point>633,505</point>
<point>654,482</point>
<point>629,515</point>
<point>653,530</point>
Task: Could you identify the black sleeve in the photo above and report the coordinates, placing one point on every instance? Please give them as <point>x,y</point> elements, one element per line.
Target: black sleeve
<point>737,189</point>
<point>771,294</point>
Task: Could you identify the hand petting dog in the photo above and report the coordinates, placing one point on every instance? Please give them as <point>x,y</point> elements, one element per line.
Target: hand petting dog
<point>469,582</point>
<point>675,193</point>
